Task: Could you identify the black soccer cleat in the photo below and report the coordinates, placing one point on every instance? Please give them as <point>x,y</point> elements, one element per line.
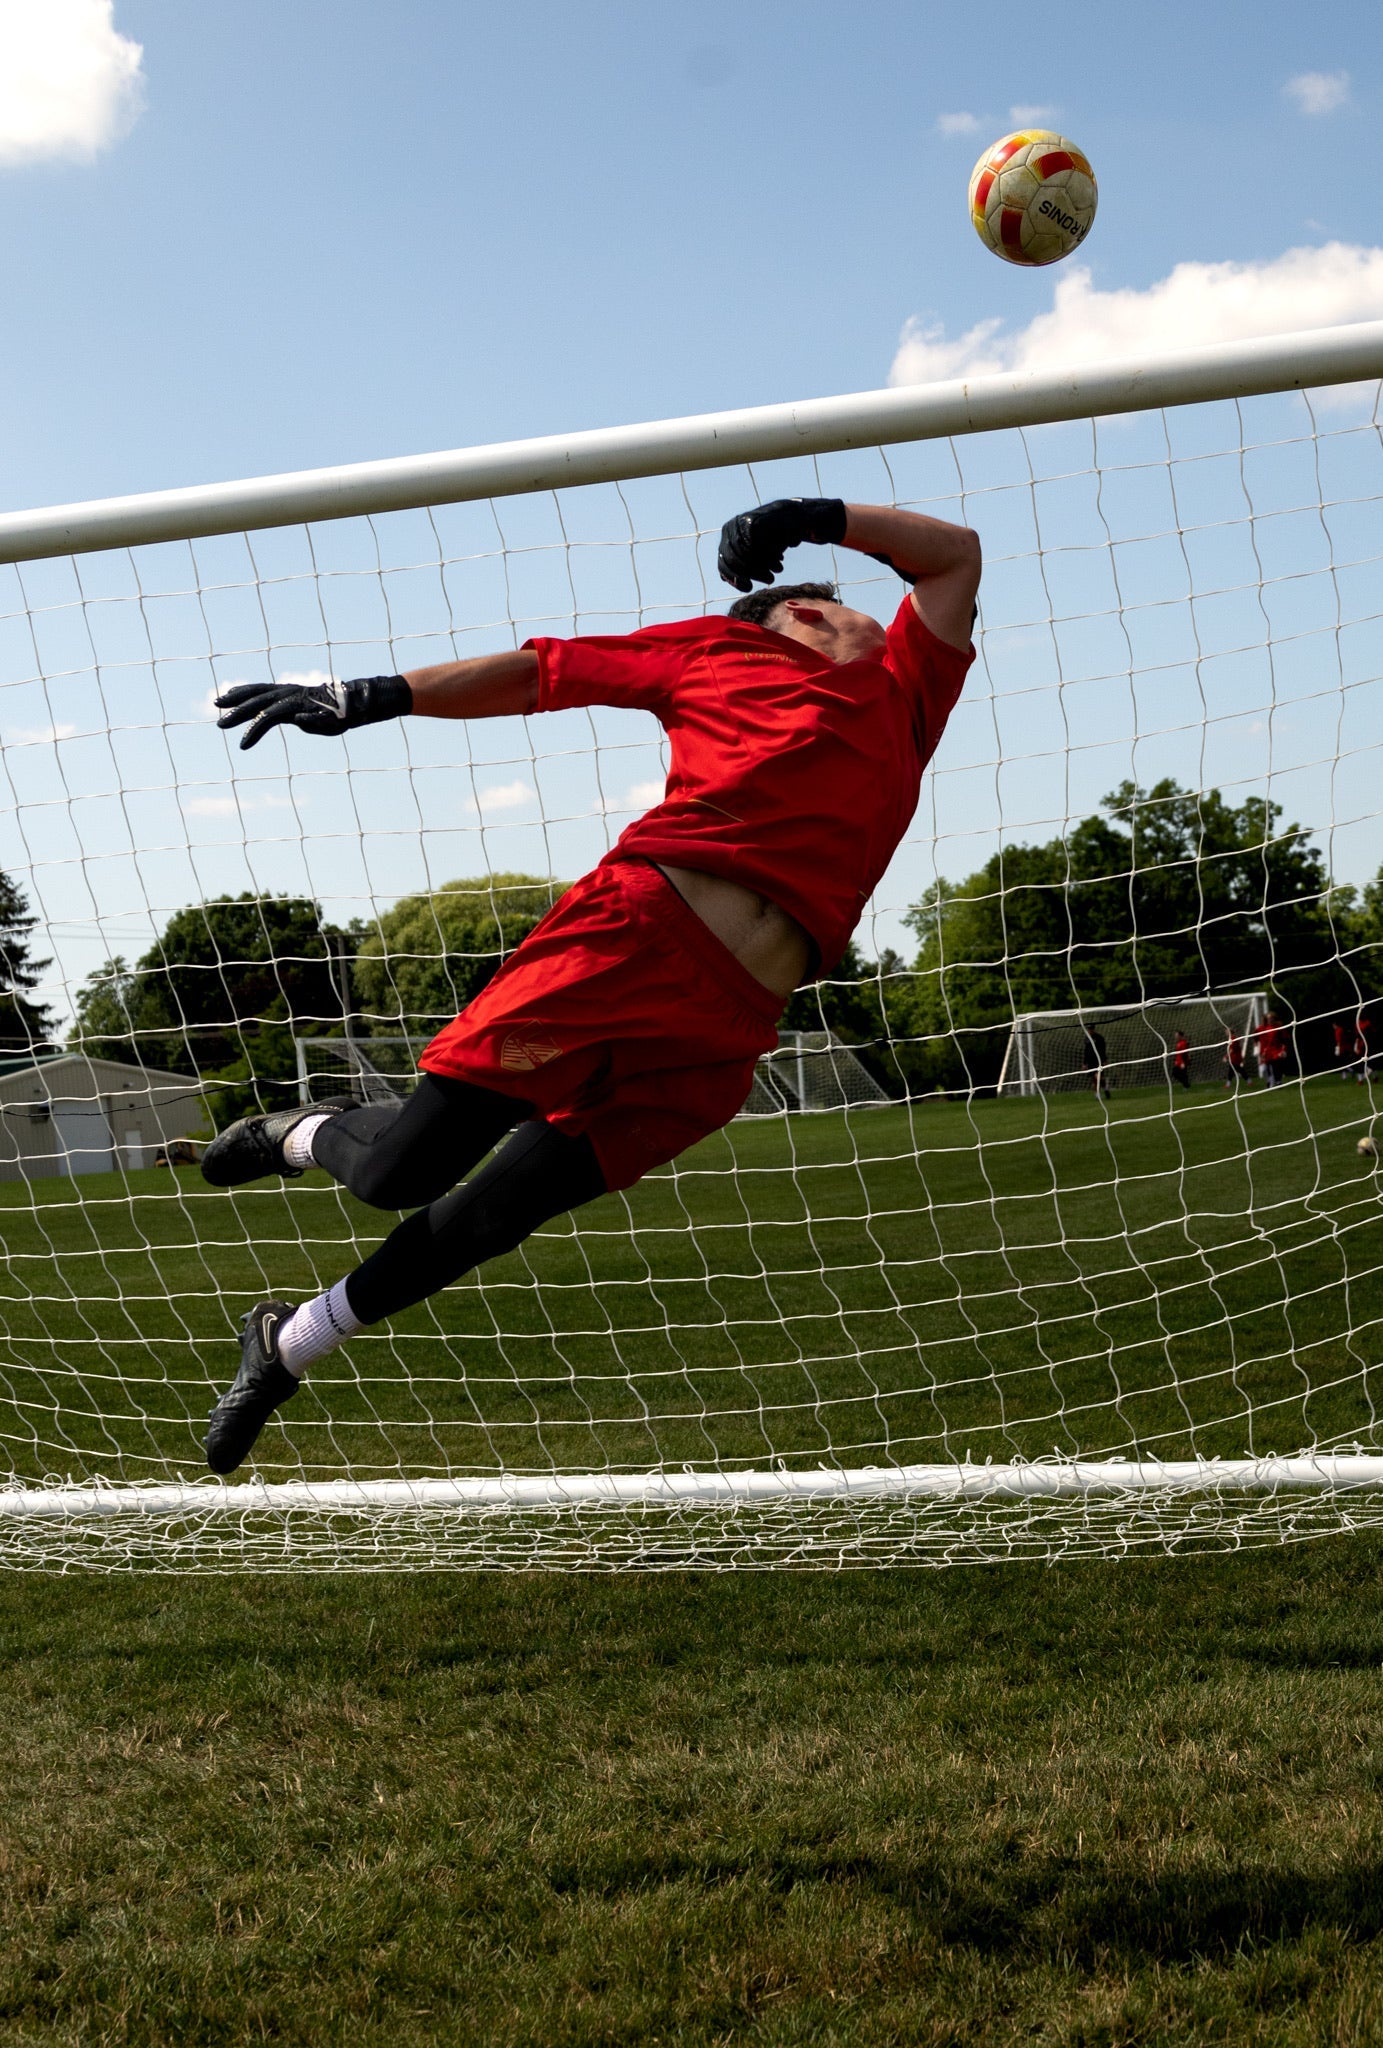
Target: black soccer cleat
<point>254,1147</point>
<point>262,1384</point>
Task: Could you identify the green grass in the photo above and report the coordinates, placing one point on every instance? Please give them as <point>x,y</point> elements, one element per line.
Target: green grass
<point>995,1280</point>
<point>1101,1805</point>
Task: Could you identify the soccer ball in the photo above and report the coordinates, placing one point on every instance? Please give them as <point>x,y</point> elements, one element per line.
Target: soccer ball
<point>1032,197</point>
<point>1368,1147</point>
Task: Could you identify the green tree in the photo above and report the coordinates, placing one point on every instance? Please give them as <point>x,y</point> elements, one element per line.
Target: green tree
<point>221,994</point>
<point>1366,955</point>
<point>851,1002</point>
<point>1171,892</point>
<point>25,1026</point>
<point>428,956</point>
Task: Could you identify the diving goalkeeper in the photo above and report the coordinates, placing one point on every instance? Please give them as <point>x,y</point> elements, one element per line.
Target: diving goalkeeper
<point>626,1026</point>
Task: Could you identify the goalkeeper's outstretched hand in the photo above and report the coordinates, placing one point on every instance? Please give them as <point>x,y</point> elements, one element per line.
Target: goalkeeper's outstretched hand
<point>327,708</point>
<point>752,544</point>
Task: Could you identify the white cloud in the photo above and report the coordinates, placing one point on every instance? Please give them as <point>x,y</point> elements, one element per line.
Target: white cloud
<point>38,735</point>
<point>1032,117</point>
<point>229,806</point>
<point>957,124</point>
<point>503,796</point>
<point>638,797</point>
<point>69,83</point>
<point>1197,304</point>
<point>1318,92</point>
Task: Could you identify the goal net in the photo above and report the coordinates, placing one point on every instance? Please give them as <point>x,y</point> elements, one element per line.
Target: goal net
<point>935,1297</point>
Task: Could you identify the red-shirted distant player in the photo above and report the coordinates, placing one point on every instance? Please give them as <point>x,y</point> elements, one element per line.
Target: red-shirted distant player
<point>1181,1060</point>
<point>627,1025</point>
<point>1271,1043</point>
<point>1363,1044</point>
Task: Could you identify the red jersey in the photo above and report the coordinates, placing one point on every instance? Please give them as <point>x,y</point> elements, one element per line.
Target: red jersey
<point>792,774</point>
<point>1271,1046</point>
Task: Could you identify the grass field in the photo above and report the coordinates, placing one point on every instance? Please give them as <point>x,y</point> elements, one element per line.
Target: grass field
<point>1101,1805</point>
<point>994,1280</point>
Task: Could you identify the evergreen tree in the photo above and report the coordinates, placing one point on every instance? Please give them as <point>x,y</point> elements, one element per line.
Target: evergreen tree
<point>25,1025</point>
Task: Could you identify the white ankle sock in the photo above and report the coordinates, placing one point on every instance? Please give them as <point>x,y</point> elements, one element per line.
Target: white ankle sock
<point>316,1329</point>
<point>297,1146</point>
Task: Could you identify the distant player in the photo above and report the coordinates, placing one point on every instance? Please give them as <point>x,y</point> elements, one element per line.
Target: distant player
<point>1272,1050</point>
<point>1343,1031</point>
<point>1234,1058</point>
<point>1364,1029</point>
<point>627,1025</point>
<point>1181,1060</point>
<point>1094,1056</point>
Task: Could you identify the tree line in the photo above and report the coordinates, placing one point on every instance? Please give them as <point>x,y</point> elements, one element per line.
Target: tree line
<point>1163,892</point>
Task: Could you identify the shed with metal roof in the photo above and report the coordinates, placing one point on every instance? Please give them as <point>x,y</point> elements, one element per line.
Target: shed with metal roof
<point>66,1113</point>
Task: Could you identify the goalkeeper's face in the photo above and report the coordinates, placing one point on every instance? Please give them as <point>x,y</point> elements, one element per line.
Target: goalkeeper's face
<point>832,629</point>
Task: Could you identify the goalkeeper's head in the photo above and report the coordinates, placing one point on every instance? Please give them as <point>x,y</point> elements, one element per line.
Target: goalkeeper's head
<point>814,614</point>
<point>758,608</point>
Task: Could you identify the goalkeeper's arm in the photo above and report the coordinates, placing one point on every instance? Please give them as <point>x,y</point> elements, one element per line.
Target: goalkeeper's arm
<point>940,560</point>
<point>489,686</point>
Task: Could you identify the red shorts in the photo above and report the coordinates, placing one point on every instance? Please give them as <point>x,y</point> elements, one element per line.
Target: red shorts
<point>621,1016</point>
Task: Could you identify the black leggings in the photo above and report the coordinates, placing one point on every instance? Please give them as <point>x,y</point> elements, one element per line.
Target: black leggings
<point>416,1153</point>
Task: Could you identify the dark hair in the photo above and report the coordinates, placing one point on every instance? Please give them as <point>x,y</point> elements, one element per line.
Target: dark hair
<point>758,608</point>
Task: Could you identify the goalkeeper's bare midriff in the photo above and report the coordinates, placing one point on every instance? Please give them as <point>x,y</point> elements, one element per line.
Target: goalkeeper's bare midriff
<point>768,943</point>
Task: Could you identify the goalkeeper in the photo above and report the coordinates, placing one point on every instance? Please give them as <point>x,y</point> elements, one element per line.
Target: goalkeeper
<point>626,1026</point>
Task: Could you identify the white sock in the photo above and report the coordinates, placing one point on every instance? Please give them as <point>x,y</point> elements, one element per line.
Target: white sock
<point>316,1329</point>
<point>297,1146</point>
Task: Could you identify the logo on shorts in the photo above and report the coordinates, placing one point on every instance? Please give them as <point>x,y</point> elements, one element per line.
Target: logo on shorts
<point>520,1055</point>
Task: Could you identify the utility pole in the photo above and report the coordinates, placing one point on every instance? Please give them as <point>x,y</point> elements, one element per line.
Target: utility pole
<point>341,978</point>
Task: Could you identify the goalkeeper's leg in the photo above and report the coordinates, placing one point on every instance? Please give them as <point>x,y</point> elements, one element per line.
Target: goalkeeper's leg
<point>391,1155</point>
<point>537,1175</point>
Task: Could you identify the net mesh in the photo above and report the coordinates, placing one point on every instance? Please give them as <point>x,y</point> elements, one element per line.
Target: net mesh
<point>1161,781</point>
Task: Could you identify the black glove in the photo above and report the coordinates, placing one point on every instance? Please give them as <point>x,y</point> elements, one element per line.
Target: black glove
<point>327,708</point>
<point>753,543</point>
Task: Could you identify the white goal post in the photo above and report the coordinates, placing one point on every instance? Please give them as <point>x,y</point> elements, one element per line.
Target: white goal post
<point>935,1296</point>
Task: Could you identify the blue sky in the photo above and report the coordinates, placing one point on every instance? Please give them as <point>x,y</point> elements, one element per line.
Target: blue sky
<point>257,237</point>
<point>340,230</point>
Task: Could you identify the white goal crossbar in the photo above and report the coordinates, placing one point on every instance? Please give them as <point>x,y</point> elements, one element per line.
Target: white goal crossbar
<point>761,433</point>
<point>727,1511</point>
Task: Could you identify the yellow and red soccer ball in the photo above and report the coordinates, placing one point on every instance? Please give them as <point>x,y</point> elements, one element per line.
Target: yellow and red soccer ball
<point>1032,197</point>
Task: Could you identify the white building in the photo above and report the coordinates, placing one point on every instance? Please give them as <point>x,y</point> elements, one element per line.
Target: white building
<point>62,1112</point>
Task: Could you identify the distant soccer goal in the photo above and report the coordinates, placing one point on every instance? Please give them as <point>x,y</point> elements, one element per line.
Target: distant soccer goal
<point>811,1070</point>
<point>974,1277</point>
<point>1191,1040</point>
<point>382,1070</point>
